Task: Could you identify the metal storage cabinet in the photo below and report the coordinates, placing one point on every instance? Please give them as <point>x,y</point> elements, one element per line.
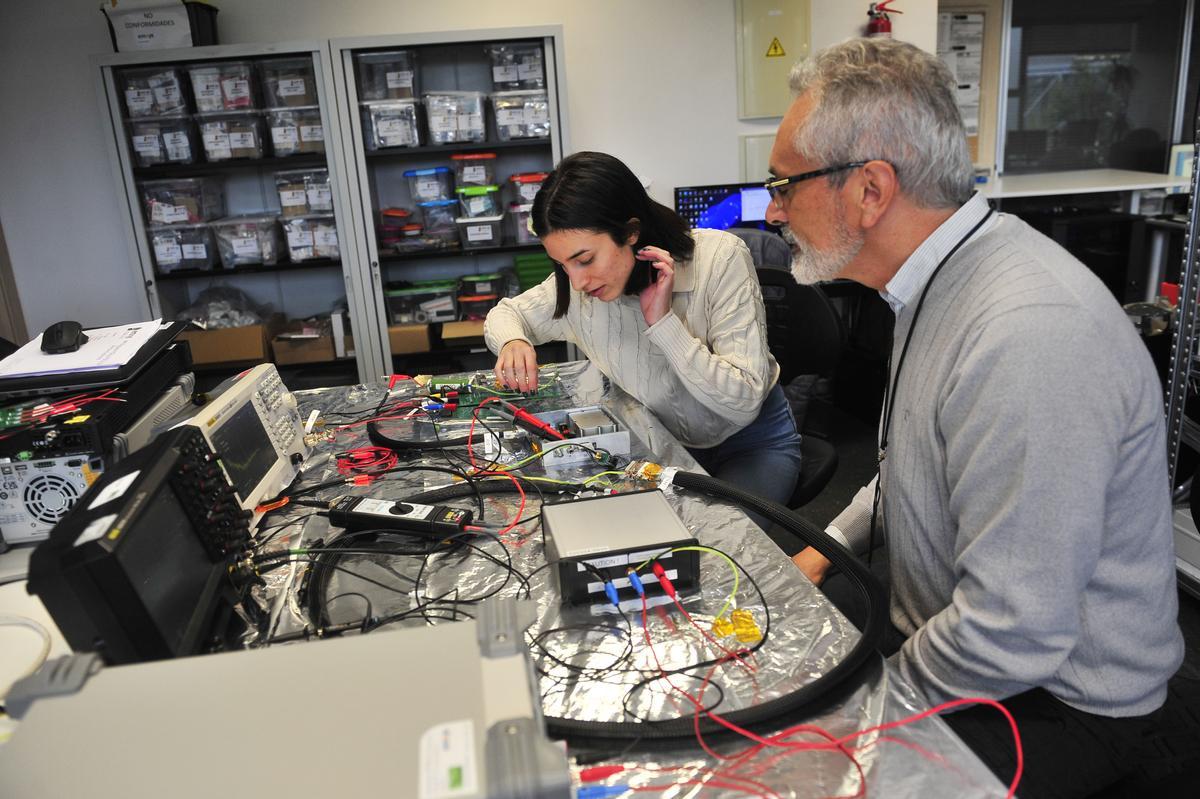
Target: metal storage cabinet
<point>440,62</point>
<point>298,289</point>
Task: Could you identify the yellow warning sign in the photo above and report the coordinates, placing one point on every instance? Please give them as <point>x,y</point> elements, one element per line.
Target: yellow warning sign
<point>776,49</point>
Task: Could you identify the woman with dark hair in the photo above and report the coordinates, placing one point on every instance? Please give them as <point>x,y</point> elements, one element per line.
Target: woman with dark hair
<point>674,317</point>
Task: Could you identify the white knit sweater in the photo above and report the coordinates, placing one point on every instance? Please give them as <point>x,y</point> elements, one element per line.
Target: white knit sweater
<point>703,369</point>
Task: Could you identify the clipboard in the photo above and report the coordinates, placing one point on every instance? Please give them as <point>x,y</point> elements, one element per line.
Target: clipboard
<point>37,385</point>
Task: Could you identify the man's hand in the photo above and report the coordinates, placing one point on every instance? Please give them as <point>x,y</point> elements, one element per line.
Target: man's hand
<point>516,367</point>
<point>813,564</point>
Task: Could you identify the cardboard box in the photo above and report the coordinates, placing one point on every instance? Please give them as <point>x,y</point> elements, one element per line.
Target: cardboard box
<point>303,343</point>
<point>462,332</point>
<point>232,344</point>
<point>405,339</point>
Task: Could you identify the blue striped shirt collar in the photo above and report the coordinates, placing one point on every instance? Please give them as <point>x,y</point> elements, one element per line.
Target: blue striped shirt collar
<point>906,284</point>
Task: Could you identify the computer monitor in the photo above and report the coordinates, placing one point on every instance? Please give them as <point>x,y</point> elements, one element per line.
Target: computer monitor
<point>723,206</point>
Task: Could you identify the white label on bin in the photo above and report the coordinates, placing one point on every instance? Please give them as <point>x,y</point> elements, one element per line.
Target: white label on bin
<point>291,197</point>
<point>312,133</point>
<point>530,70</point>
<point>510,116</point>
<point>167,251</point>
<point>402,79</point>
<point>147,145</point>
<point>217,146</point>
<point>429,188</point>
<point>474,174</point>
<point>285,137</point>
<point>167,96</point>
<point>178,146</point>
<point>243,140</point>
<point>208,93</point>
<point>479,232</point>
<point>477,206</point>
<point>483,288</point>
<point>505,74</point>
<point>236,88</point>
<point>470,122</point>
<point>442,123</point>
<point>320,199</point>
<point>528,190</point>
<point>326,236</point>
<point>165,212</point>
<point>195,252</point>
<point>246,246</point>
<point>290,87</point>
<point>393,132</point>
<point>140,101</point>
<point>536,114</point>
<point>299,238</point>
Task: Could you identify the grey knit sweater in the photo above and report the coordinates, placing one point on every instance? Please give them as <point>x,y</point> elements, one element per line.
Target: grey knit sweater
<point>1025,488</point>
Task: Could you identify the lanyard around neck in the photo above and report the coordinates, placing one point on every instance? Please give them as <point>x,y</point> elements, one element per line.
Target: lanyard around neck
<point>889,397</point>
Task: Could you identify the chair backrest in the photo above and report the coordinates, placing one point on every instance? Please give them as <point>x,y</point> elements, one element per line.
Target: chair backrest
<point>767,248</point>
<point>804,331</point>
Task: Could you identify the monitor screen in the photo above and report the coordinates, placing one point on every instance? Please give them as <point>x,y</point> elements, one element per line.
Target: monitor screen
<point>723,206</point>
<point>247,453</point>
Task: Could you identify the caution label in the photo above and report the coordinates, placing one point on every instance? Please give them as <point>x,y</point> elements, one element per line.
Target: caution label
<point>776,49</point>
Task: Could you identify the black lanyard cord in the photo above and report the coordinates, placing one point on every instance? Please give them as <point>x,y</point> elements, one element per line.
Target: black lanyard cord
<point>889,397</point>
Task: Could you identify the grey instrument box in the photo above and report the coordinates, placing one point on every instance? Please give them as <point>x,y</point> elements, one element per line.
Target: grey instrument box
<point>446,711</point>
<point>613,534</point>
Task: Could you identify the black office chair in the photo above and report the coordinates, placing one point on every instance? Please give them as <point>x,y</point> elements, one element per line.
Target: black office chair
<point>806,336</point>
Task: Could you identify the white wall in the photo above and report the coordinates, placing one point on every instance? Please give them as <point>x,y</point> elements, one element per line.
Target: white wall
<point>651,81</point>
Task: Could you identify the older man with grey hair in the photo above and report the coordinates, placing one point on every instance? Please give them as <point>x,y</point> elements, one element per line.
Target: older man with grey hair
<point>1022,485</point>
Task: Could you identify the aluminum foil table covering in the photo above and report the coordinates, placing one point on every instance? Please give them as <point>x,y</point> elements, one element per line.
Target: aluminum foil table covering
<point>806,636</point>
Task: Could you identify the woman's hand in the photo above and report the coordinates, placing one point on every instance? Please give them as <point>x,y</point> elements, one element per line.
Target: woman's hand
<point>516,367</point>
<point>813,564</point>
<point>656,298</point>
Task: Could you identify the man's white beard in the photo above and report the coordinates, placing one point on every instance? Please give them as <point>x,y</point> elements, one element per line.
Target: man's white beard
<point>810,265</point>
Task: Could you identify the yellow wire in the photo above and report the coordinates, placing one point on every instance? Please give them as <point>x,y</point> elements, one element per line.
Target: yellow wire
<point>732,567</point>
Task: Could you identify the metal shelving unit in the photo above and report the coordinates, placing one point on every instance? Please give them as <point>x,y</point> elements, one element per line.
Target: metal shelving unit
<point>1183,430</point>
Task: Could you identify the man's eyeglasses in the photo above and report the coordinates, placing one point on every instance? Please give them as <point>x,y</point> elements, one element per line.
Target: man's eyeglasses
<point>778,188</point>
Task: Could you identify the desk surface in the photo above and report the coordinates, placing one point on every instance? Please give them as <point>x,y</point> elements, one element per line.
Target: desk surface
<point>807,636</point>
<point>1080,181</point>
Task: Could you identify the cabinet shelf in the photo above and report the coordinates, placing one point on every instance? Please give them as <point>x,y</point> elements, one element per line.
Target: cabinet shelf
<point>457,253</point>
<point>315,161</point>
<point>459,147</point>
<point>286,266</point>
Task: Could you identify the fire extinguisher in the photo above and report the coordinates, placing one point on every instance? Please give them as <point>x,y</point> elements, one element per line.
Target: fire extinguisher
<point>878,22</point>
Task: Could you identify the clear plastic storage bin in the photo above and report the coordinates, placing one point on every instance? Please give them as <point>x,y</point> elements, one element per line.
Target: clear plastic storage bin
<point>526,185</point>
<point>491,283</point>
<point>288,82</point>
<point>247,240</point>
<point>428,301</point>
<point>522,114</point>
<point>303,192</point>
<point>476,232</point>
<point>479,200</point>
<point>517,66</point>
<point>225,86</point>
<point>182,200</point>
<point>152,92</point>
<point>436,183</point>
<point>438,218</point>
<point>474,307</point>
<point>520,221</point>
<point>164,140</point>
<point>474,169</point>
<point>391,123</point>
<point>387,76</point>
<point>296,130</point>
<point>232,136</point>
<point>455,117</point>
<point>181,247</point>
<point>310,237</point>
